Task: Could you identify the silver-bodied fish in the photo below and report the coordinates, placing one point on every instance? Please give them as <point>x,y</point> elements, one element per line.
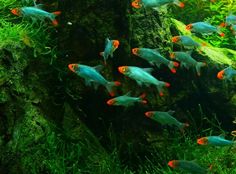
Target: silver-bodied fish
<point>165,118</point>
<point>154,57</point>
<point>215,141</point>
<point>110,47</point>
<point>204,28</point>
<point>188,166</point>
<point>227,74</point>
<point>126,100</point>
<point>143,77</point>
<point>91,74</point>
<point>36,13</point>
<point>187,61</point>
<point>155,3</point>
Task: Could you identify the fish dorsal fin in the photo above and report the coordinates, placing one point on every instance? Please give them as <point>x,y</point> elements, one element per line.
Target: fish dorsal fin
<point>170,112</point>
<point>156,50</point>
<point>128,93</point>
<point>222,135</point>
<point>107,41</point>
<point>98,68</point>
<point>148,70</point>
<point>189,52</point>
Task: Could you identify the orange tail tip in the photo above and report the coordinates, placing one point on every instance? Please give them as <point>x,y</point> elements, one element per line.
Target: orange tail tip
<point>143,95</point>
<point>56,13</point>
<point>55,23</point>
<point>222,34</point>
<point>161,94</point>
<point>181,5</point>
<point>176,64</point>
<point>167,85</point>
<point>117,83</point>
<point>223,24</point>
<point>112,94</point>
<point>173,70</point>
<point>144,101</point>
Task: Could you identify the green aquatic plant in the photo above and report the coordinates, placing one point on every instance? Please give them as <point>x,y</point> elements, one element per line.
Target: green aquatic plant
<point>217,55</point>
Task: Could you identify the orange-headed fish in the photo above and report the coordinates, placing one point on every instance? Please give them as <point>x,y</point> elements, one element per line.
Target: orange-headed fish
<point>91,74</point>
<point>188,166</point>
<point>36,13</point>
<point>165,118</point>
<point>215,141</point>
<point>186,41</point>
<point>126,100</point>
<point>155,3</point>
<point>110,47</point>
<point>187,61</point>
<point>204,28</point>
<point>229,20</point>
<point>227,74</point>
<point>143,77</point>
<point>154,57</point>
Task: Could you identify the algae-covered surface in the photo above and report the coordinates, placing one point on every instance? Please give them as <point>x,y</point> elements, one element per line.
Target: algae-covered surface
<point>52,121</point>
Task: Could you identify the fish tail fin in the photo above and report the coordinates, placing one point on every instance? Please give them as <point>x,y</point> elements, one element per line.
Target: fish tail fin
<point>172,65</point>
<point>219,32</point>
<point>142,98</point>
<point>160,87</point>
<point>199,66</point>
<point>54,14</point>
<point>110,86</point>
<point>178,3</point>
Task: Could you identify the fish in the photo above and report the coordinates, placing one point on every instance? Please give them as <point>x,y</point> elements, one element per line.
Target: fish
<point>155,3</point>
<point>227,74</point>
<point>233,29</point>
<point>110,47</point>
<point>189,166</point>
<point>229,20</point>
<point>155,58</point>
<point>204,28</point>
<point>91,74</point>
<point>187,61</point>
<point>143,77</point>
<point>215,141</point>
<point>36,13</point>
<point>165,118</point>
<point>186,41</point>
<point>126,100</point>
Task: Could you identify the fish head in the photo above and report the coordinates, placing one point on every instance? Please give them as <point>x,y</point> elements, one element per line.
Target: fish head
<point>149,114</point>
<point>73,67</point>
<point>16,11</point>
<point>175,39</point>
<point>173,163</point>
<point>123,69</point>
<point>189,26</point>
<point>172,55</point>
<point>202,141</point>
<point>220,75</point>
<point>115,43</point>
<point>111,102</point>
<point>136,4</point>
<point>135,51</point>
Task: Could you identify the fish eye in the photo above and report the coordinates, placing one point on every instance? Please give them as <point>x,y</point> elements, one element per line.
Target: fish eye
<point>123,69</point>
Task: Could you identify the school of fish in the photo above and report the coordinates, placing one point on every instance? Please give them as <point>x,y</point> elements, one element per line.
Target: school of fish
<point>143,76</point>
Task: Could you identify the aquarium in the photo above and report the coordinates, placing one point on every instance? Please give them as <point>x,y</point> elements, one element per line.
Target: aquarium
<point>118,87</point>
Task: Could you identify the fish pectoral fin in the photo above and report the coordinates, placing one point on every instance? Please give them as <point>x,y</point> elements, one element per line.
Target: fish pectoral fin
<point>88,82</point>
<point>98,68</point>
<point>96,85</point>
<point>171,112</point>
<point>148,70</point>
